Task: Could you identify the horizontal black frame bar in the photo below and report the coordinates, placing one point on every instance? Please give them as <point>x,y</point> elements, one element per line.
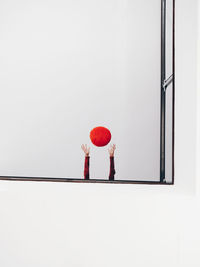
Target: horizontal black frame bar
<point>74,180</point>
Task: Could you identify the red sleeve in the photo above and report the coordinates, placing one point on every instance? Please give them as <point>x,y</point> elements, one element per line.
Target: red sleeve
<point>86,168</point>
<point>112,169</point>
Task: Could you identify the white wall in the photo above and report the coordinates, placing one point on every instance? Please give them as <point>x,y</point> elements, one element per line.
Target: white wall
<point>94,225</point>
<point>69,66</point>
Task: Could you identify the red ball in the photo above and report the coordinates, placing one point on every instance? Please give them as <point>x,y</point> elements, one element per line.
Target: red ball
<point>100,136</point>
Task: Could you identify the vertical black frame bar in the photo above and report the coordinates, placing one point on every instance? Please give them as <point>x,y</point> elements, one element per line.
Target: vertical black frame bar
<point>163,94</point>
<point>173,91</point>
<point>164,83</point>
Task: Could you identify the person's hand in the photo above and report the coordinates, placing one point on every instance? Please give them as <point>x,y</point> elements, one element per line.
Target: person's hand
<point>86,150</point>
<point>111,150</point>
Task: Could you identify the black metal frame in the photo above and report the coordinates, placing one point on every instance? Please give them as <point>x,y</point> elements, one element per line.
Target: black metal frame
<point>163,93</point>
<point>76,180</point>
<point>164,84</point>
<point>165,81</point>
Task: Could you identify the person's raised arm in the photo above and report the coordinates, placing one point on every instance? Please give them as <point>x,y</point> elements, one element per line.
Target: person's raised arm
<point>86,150</point>
<point>111,151</point>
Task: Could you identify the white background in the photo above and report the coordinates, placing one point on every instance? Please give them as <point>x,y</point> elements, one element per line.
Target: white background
<point>90,225</point>
<point>69,66</point>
